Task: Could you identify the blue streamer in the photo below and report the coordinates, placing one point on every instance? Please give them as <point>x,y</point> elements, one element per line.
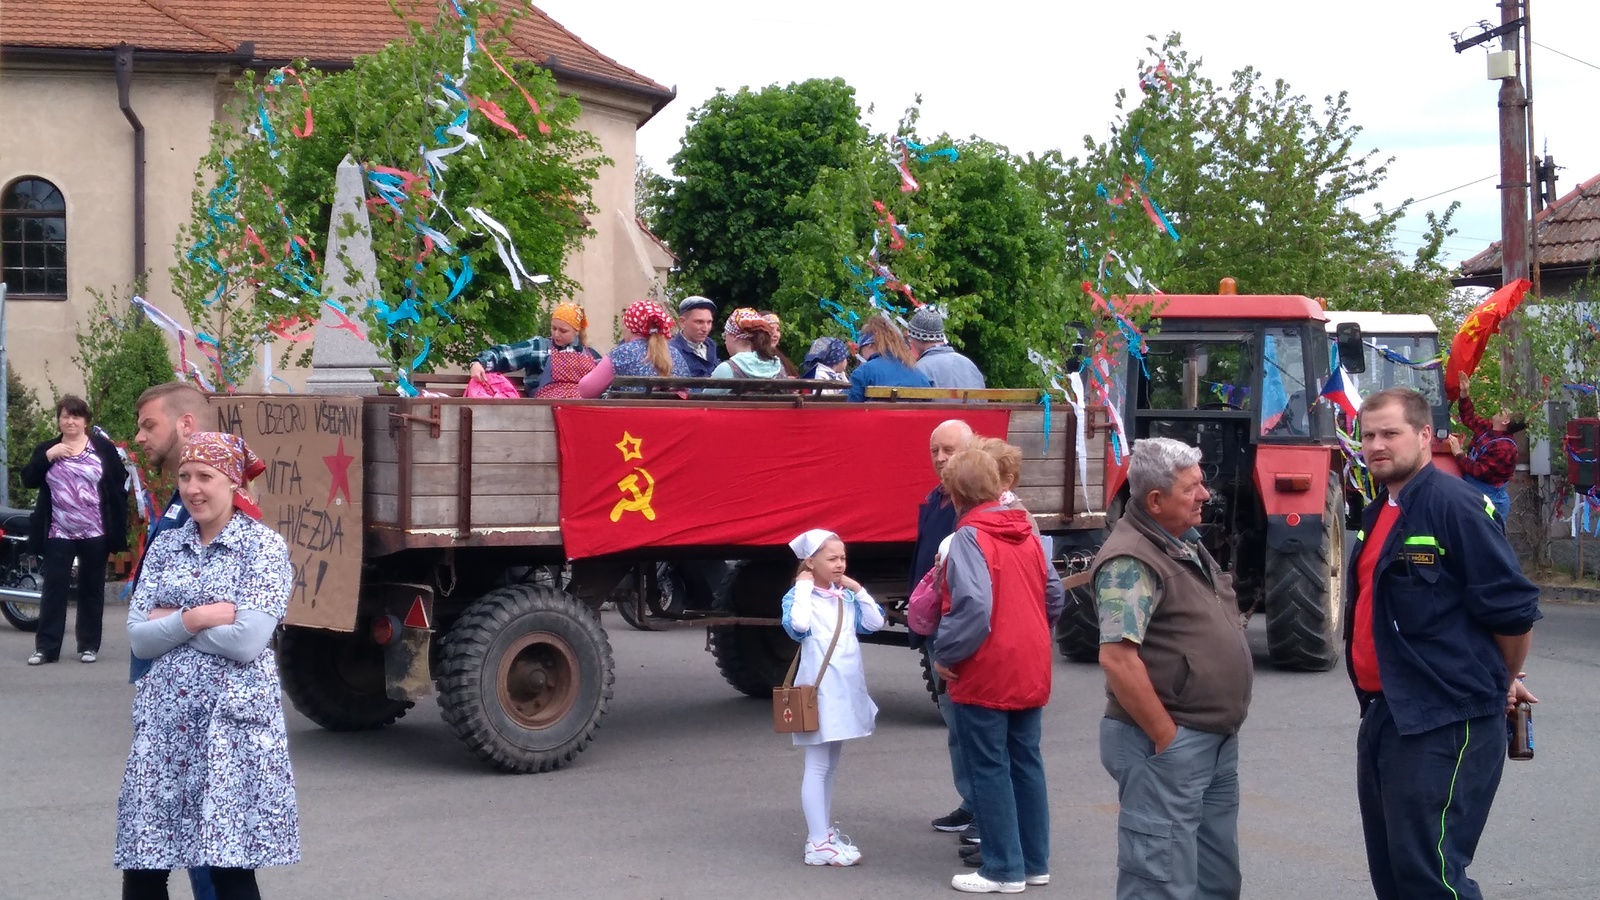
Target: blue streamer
<point>1044,400</point>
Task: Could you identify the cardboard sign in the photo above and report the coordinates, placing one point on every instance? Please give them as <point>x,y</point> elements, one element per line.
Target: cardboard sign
<point>310,493</point>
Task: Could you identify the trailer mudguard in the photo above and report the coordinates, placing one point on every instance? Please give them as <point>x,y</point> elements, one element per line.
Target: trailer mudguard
<point>1293,485</point>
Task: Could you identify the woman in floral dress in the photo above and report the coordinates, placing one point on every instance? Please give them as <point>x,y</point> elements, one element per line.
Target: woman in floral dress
<point>208,781</point>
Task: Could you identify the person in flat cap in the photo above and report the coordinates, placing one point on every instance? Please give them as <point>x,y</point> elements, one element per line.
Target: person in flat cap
<point>935,357</point>
<point>696,315</point>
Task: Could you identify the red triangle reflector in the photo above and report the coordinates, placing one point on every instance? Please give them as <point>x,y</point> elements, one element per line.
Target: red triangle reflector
<point>418,616</point>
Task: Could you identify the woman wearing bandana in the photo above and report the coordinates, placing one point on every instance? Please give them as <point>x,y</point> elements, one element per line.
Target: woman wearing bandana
<point>751,338</point>
<point>649,353</point>
<point>208,781</point>
<point>826,361</point>
<point>551,366</point>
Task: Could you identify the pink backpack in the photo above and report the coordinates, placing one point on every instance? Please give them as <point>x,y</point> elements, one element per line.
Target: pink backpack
<point>494,387</point>
<point>925,606</point>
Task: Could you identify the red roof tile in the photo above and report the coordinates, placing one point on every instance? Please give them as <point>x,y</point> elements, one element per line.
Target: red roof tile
<point>1569,233</point>
<point>328,32</point>
<point>104,24</point>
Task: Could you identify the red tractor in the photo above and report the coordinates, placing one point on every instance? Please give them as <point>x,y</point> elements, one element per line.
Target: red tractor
<point>1239,376</point>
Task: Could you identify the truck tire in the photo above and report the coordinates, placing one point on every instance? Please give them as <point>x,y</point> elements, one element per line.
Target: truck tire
<point>525,675</point>
<point>755,658</point>
<point>1304,595</point>
<point>336,679</point>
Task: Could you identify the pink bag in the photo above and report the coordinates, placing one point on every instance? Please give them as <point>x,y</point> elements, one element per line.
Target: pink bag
<point>493,387</point>
<point>923,610</point>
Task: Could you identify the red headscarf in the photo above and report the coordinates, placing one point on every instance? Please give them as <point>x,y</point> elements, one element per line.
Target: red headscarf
<point>646,317</point>
<point>228,454</point>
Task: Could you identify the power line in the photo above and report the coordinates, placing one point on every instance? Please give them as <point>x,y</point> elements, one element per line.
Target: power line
<point>1567,55</point>
<point>1432,196</point>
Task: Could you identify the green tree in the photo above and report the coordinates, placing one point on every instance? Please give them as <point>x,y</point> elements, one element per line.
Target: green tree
<point>246,258</point>
<point>975,242</point>
<point>120,355</point>
<point>29,422</point>
<point>746,161</point>
<point>1261,184</point>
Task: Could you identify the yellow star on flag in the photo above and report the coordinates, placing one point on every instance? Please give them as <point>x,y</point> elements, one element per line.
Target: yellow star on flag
<point>629,445</point>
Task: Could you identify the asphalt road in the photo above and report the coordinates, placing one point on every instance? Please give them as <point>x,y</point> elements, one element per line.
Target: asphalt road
<point>688,794</point>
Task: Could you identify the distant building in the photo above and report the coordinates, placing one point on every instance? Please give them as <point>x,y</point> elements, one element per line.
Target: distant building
<point>71,219</point>
<point>1569,246</point>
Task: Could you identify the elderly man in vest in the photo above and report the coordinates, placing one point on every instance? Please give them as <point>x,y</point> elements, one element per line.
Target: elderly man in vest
<point>1178,677</point>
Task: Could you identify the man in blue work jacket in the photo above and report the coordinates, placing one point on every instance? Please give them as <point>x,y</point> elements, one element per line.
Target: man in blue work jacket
<point>1438,620</point>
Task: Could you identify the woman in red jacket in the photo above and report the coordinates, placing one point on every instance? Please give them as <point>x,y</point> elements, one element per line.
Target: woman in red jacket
<point>993,647</point>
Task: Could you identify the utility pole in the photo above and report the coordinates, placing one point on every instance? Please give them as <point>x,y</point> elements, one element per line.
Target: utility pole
<point>1514,185</point>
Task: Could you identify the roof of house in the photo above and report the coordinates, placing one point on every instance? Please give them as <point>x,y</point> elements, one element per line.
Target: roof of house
<point>327,32</point>
<point>1568,231</point>
<point>73,24</point>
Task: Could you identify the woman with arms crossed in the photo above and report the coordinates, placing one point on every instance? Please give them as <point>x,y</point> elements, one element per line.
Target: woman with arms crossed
<point>208,781</point>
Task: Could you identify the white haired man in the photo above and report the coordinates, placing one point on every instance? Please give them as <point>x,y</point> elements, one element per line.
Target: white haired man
<point>1163,602</point>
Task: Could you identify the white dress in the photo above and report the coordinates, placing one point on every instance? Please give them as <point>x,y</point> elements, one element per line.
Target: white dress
<point>844,709</point>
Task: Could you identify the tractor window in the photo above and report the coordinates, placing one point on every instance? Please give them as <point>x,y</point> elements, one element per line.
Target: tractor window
<point>1206,373</point>
<point>1392,361</point>
<point>1285,402</point>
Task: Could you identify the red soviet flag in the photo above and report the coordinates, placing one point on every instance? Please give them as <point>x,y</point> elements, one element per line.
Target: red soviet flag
<point>635,477</point>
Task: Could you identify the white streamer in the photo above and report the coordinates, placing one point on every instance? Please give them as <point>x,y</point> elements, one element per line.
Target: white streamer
<point>506,249</point>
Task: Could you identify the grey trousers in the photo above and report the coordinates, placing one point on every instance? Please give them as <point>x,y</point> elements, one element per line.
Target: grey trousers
<point>1178,829</point>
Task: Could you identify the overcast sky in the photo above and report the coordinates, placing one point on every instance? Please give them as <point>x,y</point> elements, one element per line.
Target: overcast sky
<point>1036,76</point>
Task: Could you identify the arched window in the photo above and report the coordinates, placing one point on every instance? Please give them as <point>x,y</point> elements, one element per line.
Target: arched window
<point>33,240</point>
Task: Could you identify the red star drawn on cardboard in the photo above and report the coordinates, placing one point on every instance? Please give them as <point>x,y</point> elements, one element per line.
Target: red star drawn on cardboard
<point>339,468</point>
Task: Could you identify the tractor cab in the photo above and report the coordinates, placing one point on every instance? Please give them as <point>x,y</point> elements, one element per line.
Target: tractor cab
<point>1239,377</point>
<point>1395,344</point>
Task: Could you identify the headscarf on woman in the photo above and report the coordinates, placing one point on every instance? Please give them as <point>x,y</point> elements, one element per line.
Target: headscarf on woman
<point>230,455</point>
<point>826,351</point>
<point>746,322</point>
<point>572,314</point>
<point>645,318</point>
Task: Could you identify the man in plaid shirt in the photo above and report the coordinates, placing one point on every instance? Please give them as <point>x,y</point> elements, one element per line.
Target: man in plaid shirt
<point>1491,458</point>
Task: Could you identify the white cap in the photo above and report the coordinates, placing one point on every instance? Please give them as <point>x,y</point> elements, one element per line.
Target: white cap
<point>808,543</point>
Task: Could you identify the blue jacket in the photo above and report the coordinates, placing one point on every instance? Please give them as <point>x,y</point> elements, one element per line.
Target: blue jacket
<point>694,366</point>
<point>1446,583</point>
<point>884,371</point>
<point>946,368</point>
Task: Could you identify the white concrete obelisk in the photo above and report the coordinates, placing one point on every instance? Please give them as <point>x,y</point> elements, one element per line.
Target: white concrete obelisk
<point>341,362</point>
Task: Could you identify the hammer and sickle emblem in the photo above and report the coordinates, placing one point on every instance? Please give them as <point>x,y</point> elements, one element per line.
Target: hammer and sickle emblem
<point>640,501</point>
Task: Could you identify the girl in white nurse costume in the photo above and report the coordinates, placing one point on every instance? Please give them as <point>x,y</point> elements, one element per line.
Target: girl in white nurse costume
<point>844,710</point>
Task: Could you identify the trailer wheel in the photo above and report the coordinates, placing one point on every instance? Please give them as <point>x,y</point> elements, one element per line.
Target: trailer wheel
<point>525,677</point>
<point>755,658</point>
<point>930,678</point>
<point>1304,595</point>
<point>336,679</point>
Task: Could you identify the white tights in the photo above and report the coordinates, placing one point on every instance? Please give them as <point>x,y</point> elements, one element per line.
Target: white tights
<point>816,788</point>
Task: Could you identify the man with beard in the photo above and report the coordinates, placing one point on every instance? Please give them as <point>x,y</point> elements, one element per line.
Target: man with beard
<point>1439,620</point>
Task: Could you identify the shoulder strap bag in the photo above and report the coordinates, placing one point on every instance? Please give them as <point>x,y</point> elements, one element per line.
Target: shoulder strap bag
<point>794,706</point>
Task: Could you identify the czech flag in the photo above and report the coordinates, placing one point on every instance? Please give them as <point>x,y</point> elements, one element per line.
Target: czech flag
<point>1340,390</point>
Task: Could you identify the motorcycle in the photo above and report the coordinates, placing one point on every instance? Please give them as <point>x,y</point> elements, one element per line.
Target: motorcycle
<point>20,578</point>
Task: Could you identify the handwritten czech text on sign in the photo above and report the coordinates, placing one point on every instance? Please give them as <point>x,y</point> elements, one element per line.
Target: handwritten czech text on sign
<point>310,493</point>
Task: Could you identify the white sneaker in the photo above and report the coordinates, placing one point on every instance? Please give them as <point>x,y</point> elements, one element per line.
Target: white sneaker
<point>842,840</point>
<point>831,853</point>
<point>973,883</point>
<point>1038,879</point>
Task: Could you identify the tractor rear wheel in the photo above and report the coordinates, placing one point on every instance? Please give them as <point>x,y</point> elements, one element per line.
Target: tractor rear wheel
<point>1304,594</point>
